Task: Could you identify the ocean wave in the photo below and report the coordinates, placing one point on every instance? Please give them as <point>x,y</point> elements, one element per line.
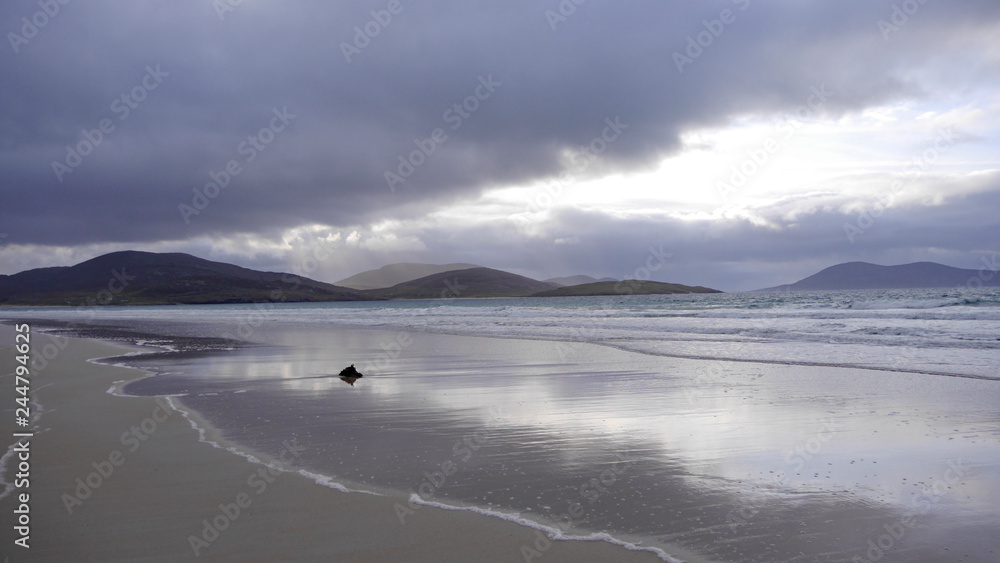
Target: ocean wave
<point>920,303</point>
<point>958,329</point>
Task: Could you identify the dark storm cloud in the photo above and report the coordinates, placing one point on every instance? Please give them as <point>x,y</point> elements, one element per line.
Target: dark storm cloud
<point>219,80</point>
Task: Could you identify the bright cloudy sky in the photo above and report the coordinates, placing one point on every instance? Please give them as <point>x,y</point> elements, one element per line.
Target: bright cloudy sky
<point>545,138</point>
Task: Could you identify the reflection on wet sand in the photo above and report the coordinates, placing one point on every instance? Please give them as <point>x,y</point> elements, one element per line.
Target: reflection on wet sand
<point>708,460</point>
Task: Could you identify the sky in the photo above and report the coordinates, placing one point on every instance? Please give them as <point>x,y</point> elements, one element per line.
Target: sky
<point>735,144</point>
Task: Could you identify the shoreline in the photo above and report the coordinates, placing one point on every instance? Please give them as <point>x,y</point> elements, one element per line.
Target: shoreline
<point>212,435</point>
<point>863,420</point>
<point>175,484</point>
<point>656,348</point>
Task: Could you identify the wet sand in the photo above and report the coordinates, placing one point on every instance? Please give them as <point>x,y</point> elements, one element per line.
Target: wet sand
<point>709,461</point>
<point>158,496</point>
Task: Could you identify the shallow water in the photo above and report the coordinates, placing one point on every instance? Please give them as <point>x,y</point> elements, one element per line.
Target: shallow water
<point>942,331</point>
<point>715,457</point>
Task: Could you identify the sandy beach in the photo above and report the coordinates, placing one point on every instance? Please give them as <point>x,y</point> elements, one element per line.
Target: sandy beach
<point>691,460</point>
<point>155,499</point>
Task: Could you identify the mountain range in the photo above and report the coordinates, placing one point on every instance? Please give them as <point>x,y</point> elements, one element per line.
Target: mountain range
<point>146,278</point>
<point>627,287</point>
<point>862,275</point>
<point>470,282</point>
<point>393,274</point>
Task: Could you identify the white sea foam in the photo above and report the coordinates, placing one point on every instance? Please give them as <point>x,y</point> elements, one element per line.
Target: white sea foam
<point>202,435</point>
<point>319,479</point>
<point>37,410</point>
<point>8,486</point>
<point>329,482</point>
<point>550,531</point>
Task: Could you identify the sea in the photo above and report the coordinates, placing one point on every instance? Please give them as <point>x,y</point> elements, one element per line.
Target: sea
<point>951,332</point>
<point>762,426</point>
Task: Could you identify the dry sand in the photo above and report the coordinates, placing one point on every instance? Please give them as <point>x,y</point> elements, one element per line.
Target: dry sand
<point>159,491</point>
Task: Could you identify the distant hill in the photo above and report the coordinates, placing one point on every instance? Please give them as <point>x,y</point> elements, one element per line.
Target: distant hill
<point>862,275</point>
<point>577,280</point>
<point>630,287</point>
<point>147,278</point>
<point>471,282</point>
<point>393,274</point>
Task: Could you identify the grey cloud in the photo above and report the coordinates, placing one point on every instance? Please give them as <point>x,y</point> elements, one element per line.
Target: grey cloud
<point>731,255</point>
<point>734,254</point>
<point>354,120</point>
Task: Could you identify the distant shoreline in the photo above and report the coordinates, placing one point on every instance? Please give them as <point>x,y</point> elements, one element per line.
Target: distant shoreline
<point>392,300</point>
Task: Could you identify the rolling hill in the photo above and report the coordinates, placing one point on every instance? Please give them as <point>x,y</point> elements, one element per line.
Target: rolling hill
<point>471,282</point>
<point>629,287</point>
<point>393,274</point>
<point>141,278</point>
<point>146,278</point>
<point>862,275</point>
<point>577,280</point>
